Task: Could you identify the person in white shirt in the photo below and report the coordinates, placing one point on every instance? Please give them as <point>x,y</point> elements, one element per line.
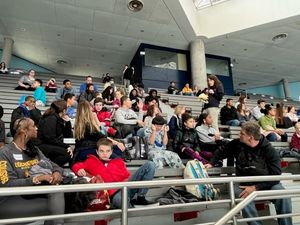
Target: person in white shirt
<point>292,114</point>
<point>256,111</point>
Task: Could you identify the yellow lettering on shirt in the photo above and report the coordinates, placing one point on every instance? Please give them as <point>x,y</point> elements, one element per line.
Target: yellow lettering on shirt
<point>3,172</point>
<point>26,165</point>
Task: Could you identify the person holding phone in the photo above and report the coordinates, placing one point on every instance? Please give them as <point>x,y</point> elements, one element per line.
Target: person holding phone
<point>157,137</point>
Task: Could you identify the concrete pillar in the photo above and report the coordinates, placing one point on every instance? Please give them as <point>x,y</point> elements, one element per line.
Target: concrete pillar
<point>286,89</point>
<point>7,50</point>
<point>198,63</point>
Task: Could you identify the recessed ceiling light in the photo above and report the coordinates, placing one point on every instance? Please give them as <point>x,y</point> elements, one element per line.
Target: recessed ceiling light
<point>279,37</point>
<point>91,39</point>
<point>142,31</point>
<point>120,44</point>
<point>245,49</point>
<point>135,5</point>
<point>58,35</point>
<point>61,61</point>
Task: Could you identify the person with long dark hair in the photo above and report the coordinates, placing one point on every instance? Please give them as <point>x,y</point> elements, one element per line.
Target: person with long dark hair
<point>186,142</point>
<point>108,95</point>
<point>23,164</point>
<point>215,95</point>
<point>3,68</point>
<point>53,128</point>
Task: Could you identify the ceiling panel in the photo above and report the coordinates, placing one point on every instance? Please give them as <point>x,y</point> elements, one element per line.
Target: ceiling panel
<point>53,33</point>
<point>32,10</point>
<point>68,2</point>
<point>91,39</point>
<point>75,51</point>
<point>110,23</point>
<point>142,29</point>
<point>160,14</point>
<point>70,16</point>
<point>22,29</point>
<point>103,5</point>
<point>122,43</point>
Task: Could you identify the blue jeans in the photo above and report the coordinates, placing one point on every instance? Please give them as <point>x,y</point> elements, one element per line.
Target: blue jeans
<point>234,123</point>
<point>145,172</point>
<point>272,137</point>
<point>282,206</point>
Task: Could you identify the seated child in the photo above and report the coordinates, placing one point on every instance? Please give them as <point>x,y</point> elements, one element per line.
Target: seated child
<point>114,170</point>
<point>157,137</point>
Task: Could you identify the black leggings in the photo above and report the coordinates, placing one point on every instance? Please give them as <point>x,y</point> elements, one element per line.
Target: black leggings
<point>56,154</point>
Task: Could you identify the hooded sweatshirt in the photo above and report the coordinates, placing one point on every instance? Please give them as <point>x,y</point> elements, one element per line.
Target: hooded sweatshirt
<point>261,160</point>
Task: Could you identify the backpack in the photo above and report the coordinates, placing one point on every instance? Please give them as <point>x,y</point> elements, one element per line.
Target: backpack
<point>176,196</point>
<point>136,146</point>
<point>195,170</point>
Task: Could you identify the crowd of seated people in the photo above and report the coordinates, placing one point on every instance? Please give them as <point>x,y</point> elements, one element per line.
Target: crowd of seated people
<point>132,116</point>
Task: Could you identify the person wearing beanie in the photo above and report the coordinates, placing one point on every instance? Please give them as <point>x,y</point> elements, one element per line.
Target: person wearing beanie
<point>157,137</point>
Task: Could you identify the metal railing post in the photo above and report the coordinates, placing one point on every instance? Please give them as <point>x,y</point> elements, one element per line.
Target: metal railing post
<point>124,206</point>
<point>236,209</point>
<point>232,199</point>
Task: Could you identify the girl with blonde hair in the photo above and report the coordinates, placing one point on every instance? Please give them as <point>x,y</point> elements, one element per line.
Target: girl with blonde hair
<point>87,132</point>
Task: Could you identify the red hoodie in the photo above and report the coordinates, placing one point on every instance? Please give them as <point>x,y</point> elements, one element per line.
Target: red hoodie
<point>104,116</point>
<point>112,171</point>
<point>295,142</point>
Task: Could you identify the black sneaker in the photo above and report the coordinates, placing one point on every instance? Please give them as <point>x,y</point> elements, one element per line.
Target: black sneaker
<point>143,202</point>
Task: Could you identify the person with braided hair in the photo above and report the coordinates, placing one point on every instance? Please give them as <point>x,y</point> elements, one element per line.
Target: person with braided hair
<point>17,162</point>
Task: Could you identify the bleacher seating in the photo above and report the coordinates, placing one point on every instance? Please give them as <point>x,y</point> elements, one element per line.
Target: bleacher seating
<point>9,100</point>
<point>9,97</point>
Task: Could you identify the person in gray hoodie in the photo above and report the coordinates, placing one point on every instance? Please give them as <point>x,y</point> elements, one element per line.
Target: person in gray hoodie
<point>127,121</point>
<point>16,161</point>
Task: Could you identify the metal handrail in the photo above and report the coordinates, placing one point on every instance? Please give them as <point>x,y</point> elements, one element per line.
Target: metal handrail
<point>250,198</point>
<point>11,191</point>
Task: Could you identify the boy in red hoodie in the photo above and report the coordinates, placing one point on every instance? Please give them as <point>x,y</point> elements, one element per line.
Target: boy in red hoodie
<point>114,170</point>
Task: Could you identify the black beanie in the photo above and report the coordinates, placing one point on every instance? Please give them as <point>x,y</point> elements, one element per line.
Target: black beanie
<point>158,120</point>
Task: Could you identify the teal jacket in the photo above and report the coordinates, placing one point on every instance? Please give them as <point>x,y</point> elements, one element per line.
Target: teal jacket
<point>40,94</point>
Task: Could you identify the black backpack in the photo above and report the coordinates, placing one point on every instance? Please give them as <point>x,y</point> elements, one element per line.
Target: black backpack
<point>177,196</point>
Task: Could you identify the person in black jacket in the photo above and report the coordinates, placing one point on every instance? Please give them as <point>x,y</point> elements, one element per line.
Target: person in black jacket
<point>172,89</point>
<point>229,115</point>
<point>255,156</point>
<point>186,142</point>
<point>53,128</point>
<point>215,95</point>
<point>26,109</point>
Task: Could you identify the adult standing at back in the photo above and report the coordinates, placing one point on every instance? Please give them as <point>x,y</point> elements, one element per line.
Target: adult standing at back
<point>26,81</point>
<point>215,95</point>
<point>83,86</point>
<point>127,75</point>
